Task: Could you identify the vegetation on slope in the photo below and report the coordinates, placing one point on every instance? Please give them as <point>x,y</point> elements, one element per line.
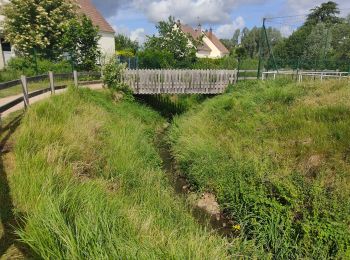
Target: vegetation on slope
<point>277,156</point>
<point>90,184</point>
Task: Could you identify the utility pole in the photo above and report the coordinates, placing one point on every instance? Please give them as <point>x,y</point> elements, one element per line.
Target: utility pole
<point>269,47</point>
<point>261,47</point>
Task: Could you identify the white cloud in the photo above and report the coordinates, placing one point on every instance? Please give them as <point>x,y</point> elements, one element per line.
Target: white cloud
<point>121,30</point>
<point>189,11</point>
<point>138,35</point>
<point>226,31</point>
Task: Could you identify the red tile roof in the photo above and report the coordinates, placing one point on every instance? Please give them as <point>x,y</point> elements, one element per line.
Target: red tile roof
<point>88,8</point>
<point>217,42</point>
<point>196,34</point>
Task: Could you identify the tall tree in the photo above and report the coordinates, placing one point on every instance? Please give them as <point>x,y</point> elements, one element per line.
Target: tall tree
<point>81,42</point>
<point>317,46</point>
<point>235,38</point>
<point>326,13</point>
<point>123,43</point>
<point>37,26</point>
<point>172,40</point>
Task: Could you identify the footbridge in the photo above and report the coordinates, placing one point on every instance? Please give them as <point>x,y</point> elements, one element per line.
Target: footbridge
<point>150,82</point>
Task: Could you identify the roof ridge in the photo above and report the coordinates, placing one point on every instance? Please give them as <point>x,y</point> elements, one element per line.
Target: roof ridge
<point>89,9</point>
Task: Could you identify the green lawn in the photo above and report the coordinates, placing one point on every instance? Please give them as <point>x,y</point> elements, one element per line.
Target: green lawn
<point>277,156</point>
<point>89,182</point>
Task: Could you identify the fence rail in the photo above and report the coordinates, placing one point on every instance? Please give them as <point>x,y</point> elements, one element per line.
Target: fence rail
<point>179,81</point>
<point>300,75</point>
<point>51,86</point>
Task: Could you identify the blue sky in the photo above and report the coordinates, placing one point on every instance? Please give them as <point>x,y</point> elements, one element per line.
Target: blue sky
<point>137,18</point>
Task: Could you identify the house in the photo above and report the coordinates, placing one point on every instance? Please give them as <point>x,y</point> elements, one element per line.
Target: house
<point>107,33</point>
<point>211,46</point>
<point>106,43</point>
<point>6,51</point>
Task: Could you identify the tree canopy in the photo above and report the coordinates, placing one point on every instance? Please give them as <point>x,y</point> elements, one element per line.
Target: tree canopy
<point>172,40</point>
<point>80,41</point>
<point>124,44</point>
<point>37,26</point>
<point>49,29</point>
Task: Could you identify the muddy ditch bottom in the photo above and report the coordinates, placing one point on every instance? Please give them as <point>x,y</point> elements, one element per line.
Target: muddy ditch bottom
<point>204,207</point>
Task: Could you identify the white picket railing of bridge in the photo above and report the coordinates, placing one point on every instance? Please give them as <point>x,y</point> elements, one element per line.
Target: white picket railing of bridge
<point>179,81</point>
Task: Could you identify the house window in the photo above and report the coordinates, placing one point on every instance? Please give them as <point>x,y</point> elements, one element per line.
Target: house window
<point>6,46</point>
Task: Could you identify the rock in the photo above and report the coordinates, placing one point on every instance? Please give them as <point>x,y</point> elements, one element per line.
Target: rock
<point>209,204</point>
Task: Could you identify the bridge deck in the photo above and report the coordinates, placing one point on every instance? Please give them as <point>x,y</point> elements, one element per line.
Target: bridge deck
<point>179,81</point>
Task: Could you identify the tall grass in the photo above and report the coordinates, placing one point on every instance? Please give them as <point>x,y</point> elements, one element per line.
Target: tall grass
<point>89,181</point>
<point>277,156</point>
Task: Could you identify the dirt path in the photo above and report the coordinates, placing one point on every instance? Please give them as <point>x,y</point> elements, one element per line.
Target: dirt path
<point>36,99</point>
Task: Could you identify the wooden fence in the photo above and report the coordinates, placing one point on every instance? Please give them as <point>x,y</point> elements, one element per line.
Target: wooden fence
<point>78,78</point>
<point>179,81</point>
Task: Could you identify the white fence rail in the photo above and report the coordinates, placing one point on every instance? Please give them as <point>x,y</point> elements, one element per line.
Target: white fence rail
<point>179,81</point>
<point>301,75</point>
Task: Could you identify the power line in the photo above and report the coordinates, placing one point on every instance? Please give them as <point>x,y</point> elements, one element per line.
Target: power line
<point>299,15</point>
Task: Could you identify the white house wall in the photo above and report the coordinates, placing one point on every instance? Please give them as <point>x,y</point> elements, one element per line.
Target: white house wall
<point>215,52</point>
<point>107,44</point>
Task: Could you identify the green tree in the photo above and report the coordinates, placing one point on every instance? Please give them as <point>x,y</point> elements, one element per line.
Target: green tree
<point>341,45</point>
<point>124,43</point>
<point>171,39</point>
<point>317,46</point>
<point>235,38</point>
<point>81,42</point>
<point>37,26</point>
<point>228,44</point>
<point>232,43</point>
<point>326,13</point>
<point>156,59</point>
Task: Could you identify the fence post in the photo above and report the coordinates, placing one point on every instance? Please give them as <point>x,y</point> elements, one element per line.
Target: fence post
<point>274,75</point>
<point>75,75</point>
<point>25,91</point>
<point>321,76</point>
<point>263,76</point>
<point>52,83</point>
<point>236,76</point>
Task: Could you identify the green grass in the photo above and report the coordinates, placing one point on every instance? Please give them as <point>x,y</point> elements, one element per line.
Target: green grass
<point>89,182</point>
<point>277,155</point>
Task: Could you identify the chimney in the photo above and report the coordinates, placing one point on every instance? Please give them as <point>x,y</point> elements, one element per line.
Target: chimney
<point>210,34</point>
<point>199,27</point>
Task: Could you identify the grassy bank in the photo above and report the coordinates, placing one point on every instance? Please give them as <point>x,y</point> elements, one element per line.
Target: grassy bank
<point>89,182</point>
<point>277,156</point>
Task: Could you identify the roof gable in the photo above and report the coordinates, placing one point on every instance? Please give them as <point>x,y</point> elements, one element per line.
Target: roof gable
<point>88,8</point>
<point>218,44</point>
<point>197,33</point>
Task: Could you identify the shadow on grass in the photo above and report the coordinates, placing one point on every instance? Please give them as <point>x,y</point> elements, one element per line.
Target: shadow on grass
<point>9,222</point>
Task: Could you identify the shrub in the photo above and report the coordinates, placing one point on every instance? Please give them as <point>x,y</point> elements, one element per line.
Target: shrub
<point>155,59</point>
<point>228,62</point>
<point>112,75</point>
<point>28,67</point>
